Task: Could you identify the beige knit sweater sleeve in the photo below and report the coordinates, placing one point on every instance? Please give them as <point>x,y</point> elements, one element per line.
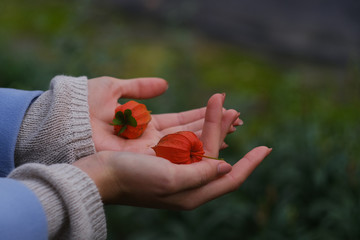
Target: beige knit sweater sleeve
<point>69,197</point>
<point>56,131</point>
<point>56,127</point>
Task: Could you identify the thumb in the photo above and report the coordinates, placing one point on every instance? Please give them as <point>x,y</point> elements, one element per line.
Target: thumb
<point>190,176</point>
<point>141,88</point>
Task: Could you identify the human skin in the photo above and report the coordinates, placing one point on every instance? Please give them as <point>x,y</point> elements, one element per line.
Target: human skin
<point>103,93</point>
<point>144,180</point>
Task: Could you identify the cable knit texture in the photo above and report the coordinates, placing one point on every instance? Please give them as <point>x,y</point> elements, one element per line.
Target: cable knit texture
<point>70,199</point>
<point>56,127</point>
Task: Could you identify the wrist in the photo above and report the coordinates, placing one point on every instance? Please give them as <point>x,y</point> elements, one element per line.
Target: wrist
<point>96,168</point>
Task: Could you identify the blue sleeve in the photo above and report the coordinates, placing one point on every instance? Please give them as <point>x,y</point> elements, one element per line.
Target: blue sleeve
<point>21,213</point>
<point>13,105</point>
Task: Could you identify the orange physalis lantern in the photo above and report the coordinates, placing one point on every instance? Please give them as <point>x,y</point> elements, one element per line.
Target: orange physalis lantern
<point>131,119</point>
<point>182,148</point>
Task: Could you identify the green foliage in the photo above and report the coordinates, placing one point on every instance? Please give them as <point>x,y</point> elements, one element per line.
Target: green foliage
<point>308,188</point>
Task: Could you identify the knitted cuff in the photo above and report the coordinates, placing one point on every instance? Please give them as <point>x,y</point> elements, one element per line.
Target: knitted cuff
<point>70,199</point>
<point>56,127</point>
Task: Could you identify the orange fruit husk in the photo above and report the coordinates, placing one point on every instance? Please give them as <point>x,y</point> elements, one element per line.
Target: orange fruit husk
<point>141,115</point>
<point>182,148</point>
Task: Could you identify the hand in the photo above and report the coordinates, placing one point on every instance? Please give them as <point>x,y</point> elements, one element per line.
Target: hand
<point>149,181</point>
<point>103,95</point>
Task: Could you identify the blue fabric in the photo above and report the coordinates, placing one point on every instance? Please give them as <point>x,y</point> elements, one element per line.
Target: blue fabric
<point>13,105</point>
<point>21,213</point>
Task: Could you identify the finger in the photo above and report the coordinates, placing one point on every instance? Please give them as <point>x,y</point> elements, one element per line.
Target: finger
<point>163,121</point>
<point>211,133</point>
<point>195,175</point>
<point>224,145</point>
<point>231,130</point>
<point>173,177</point>
<point>140,88</point>
<point>244,167</point>
<point>229,117</point>
<point>168,120</point>
<point>230,182</point>
<point>238,122</point>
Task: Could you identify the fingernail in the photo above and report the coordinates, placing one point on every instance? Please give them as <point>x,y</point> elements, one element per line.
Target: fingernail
<point>224,168</point>
<point>236,117</point>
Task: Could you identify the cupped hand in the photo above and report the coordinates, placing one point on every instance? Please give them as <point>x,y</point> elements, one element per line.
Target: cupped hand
<point>103,95</point>
<point>149,181</point>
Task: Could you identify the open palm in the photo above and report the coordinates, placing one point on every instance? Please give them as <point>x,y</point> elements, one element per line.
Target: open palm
<point>103,95</point>
<point>148,181</point>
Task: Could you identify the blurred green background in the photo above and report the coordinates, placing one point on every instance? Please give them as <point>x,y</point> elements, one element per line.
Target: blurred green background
<point>308,112</point>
